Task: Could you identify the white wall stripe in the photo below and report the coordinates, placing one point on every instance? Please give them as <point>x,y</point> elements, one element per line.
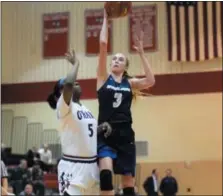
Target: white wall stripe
<point>34,135</point>
<point>191,33</point>
<point>182,33</point>
<point>173,27</point>
<point>50,136</point>
<point>201,31</point>
<point>219,33</point>
<point>6,126</point>
<point>210,30</point>
<point>19,135</point>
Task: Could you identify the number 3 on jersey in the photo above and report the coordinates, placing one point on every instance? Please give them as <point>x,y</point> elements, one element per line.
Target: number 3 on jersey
<point>118,100</point>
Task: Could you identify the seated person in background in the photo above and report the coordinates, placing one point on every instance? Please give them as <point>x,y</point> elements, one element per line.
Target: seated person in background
<point>45,157</point>
<point>32,155</point>
<point>28,191</point>
<point>20,177</point>
<point>37,179</point>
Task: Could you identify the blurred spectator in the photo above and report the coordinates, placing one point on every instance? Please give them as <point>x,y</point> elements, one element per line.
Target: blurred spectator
<point>28,191</point>
<point>10,191</point>
<point>4,179</point>
<point>3,145</point>
<point>169,186</point>
<point>45,154</point>
<point>20,177</point>
<point>151,186</point>
<point>32,155</point>
<point>45,157</point>
<point>37,179</point>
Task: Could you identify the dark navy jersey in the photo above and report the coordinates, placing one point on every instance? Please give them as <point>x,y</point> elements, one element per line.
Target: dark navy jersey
<point>115,101</point>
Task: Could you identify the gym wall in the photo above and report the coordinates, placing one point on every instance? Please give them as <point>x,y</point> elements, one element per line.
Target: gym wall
<point>22,43</point>
<point>178,127</point>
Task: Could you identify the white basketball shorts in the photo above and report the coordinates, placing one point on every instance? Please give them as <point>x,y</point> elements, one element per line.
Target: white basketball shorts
<point>78,177</point>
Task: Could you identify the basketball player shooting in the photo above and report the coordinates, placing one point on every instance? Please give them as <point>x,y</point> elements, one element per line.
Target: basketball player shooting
<point>78,172</point>
<point>115,92</point>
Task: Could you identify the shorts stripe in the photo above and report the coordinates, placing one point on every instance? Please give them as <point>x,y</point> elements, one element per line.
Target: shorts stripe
<point>78,159</point>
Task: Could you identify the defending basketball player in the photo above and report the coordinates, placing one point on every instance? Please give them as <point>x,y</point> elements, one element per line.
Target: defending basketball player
<point>115,92</point>
<point>78,172</point>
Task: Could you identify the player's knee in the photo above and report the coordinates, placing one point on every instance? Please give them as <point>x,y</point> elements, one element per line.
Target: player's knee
<point>128,181</point>
<point>106,180</point>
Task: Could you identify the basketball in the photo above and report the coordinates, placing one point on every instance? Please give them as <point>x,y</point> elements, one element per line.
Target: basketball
<point>117,9</point>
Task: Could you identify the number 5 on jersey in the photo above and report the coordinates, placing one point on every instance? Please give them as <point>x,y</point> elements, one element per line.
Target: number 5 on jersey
<point>90,129</point>
<point>118,100</point>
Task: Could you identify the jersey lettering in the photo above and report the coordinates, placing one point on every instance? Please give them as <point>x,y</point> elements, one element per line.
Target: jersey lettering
<point>118,100</point>
<point>84,115</point>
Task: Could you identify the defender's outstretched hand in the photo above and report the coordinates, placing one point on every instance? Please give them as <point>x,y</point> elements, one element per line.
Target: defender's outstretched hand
<point>105,128</point>
<point>71,57</point>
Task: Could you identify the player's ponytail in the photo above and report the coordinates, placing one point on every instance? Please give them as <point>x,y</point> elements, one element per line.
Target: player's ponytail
<point>135,92</point>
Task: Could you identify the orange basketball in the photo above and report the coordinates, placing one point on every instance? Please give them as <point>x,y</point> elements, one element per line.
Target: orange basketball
<point>117,9</point>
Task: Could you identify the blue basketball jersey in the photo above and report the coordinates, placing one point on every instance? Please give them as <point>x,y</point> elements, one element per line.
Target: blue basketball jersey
<point>115,101</point>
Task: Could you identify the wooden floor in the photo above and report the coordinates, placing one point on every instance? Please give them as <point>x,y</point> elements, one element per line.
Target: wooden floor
<point>201,177</point>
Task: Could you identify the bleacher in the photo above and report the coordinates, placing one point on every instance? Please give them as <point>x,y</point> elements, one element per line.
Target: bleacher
<point>21,135</point>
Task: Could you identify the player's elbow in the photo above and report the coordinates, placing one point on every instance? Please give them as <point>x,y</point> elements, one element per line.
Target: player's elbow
<point>152,82</point>
<point>149,82</point>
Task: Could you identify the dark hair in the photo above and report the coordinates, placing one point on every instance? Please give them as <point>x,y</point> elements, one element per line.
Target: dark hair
<point>54,96</point>
<point>153,171</point>
<point>51,99</point>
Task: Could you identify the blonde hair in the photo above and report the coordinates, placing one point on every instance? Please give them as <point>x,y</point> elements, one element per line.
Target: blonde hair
<point>135,92</point>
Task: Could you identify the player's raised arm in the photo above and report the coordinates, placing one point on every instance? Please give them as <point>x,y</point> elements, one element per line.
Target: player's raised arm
<point>149,79</point>
<point>71,77</point>
<point>102,70</point>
